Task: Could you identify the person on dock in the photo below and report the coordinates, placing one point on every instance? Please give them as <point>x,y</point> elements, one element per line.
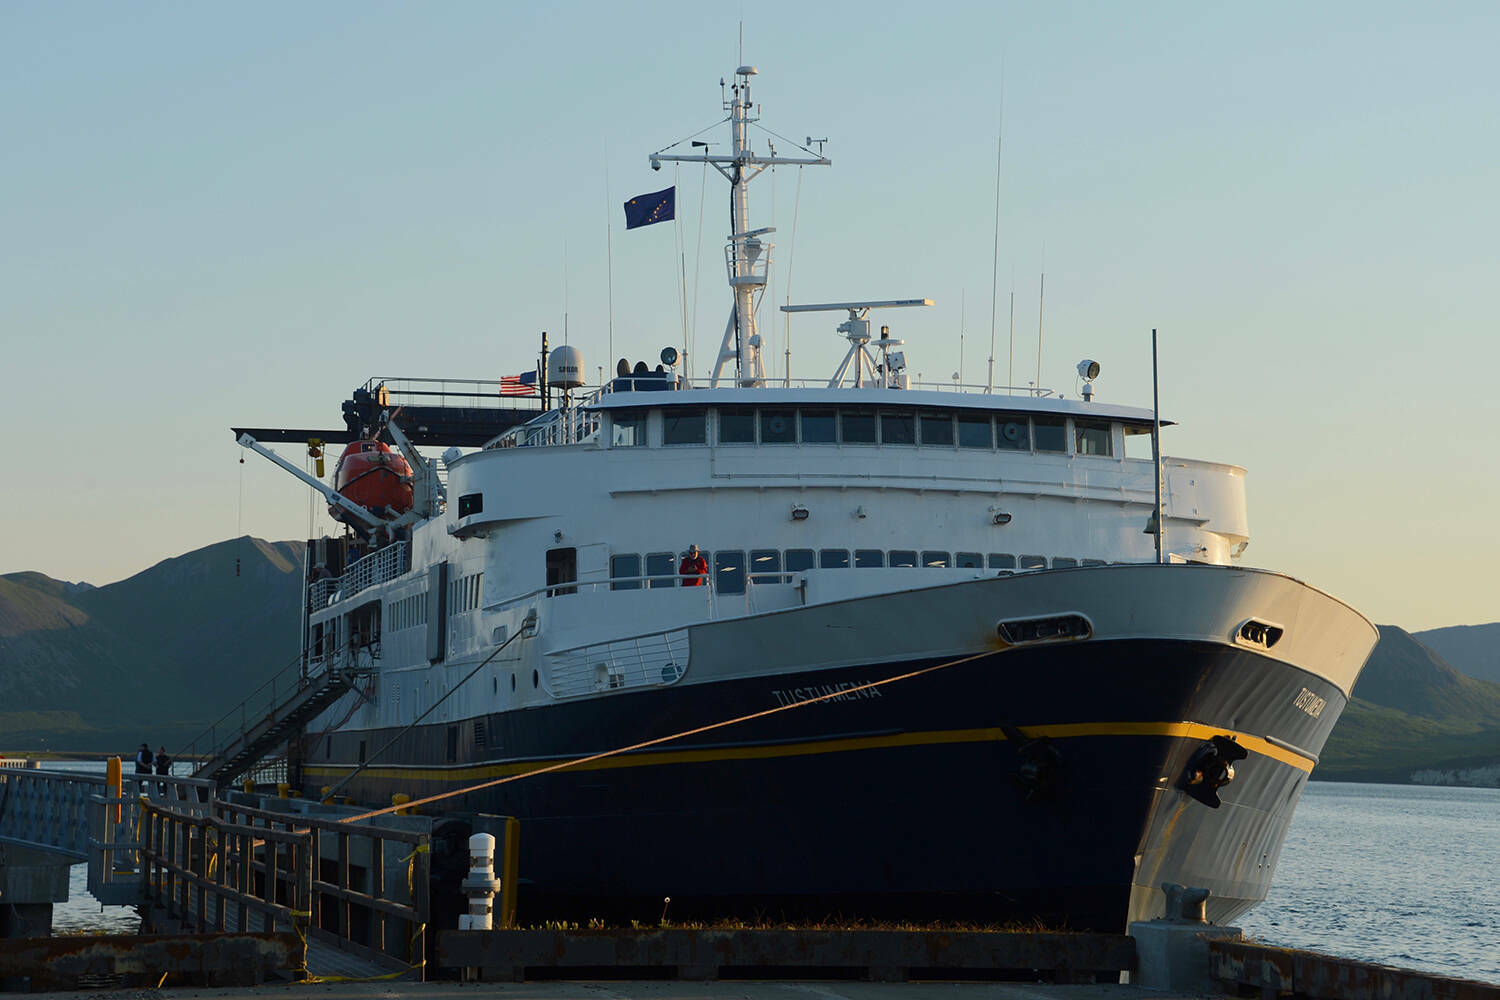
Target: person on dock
<point>163,767</point>
<point>694,568</point>
<point>143,759</point>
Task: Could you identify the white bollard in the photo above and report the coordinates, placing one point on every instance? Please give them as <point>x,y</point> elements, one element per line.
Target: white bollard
<point>481,884</point>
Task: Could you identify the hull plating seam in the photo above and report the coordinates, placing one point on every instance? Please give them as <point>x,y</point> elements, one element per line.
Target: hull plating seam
<point>1183,730</point>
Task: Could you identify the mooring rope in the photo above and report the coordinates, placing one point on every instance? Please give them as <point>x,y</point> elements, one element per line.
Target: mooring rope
<point>561,765</point>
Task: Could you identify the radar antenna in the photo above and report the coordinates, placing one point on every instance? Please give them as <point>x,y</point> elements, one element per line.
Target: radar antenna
<point>888,374</point>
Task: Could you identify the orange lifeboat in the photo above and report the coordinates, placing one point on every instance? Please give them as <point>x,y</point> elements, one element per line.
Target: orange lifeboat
<point>375,477</point>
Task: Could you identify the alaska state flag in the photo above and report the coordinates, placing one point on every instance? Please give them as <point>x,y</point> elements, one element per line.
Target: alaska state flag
<point>644,209</point>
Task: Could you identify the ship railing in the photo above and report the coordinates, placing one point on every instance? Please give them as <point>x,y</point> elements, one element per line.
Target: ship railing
<point>641,661</point>
<point>754,263</point>
<point>446,392</point>
<point>376,568</point>
<point>575,425</point>
<point>235,723</point>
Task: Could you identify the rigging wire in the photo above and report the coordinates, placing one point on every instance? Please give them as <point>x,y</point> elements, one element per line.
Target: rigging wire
<point>695,135</point>
<point>791,258</point>
<point>560,765</point>
<point>609,250</point>
<point>995,265</point>
<point>239,524</point>
<point>697,271</point>
<point>783,138</point>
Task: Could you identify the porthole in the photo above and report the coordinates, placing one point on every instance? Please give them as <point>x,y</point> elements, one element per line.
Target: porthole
<point>536,679</point>
<point>512,682</point>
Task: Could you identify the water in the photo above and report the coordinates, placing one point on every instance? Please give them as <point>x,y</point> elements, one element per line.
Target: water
<point>1404,875</point>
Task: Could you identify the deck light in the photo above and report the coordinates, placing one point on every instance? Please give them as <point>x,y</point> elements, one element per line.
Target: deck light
<point>799,512</point>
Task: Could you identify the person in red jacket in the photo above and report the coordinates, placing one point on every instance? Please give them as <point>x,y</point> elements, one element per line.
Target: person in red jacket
<point>694,568</point>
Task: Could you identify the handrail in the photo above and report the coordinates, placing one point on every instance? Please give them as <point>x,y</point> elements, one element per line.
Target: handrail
<point>242,709</point>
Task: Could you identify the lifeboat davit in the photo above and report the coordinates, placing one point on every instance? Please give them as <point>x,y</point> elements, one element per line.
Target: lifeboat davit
<point>375,477</point>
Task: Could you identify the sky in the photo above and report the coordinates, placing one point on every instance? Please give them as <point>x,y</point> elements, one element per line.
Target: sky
<point>218,215</point>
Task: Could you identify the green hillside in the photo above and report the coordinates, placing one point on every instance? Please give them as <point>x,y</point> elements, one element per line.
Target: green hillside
<point>1412,711</point>
<point>154,657</point>
<point>1469,649</point>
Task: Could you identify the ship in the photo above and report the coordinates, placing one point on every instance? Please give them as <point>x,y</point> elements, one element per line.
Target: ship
<point>951,653</point>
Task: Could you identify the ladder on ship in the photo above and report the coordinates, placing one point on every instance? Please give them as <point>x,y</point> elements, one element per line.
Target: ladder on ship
<point>270,717</point>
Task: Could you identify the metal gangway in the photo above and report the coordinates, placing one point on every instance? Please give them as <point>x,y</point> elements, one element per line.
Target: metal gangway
<point>271,716</point>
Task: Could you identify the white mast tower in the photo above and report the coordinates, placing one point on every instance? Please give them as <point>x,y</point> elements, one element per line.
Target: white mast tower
<point>746,256</point>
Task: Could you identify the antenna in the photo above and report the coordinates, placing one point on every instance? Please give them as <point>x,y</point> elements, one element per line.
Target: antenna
<point>1010,375</point>
<point>609,250</point>
<point>995,266</point>
<point>1041,306</point>
<point>963,298</point>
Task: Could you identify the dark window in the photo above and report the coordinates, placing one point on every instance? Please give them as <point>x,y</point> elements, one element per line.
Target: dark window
<point>736,426</point>
<point>683,426</point>
<point>969,560</point>
<point>1002,560</point>
<point>1094,562</point>
<point>729,572</point>
<point>628,428</point>
<point>868,558</point>
<point>536,679</point>
<point>765,566</point>
<point>833,558</point>
<point>361,751</point>
<point>857,426</point>
<point>1063,562</point>
<point>1033,562</point>
<point>328,748</point>
<point>798,560</point>
<point>937,428</point>
<point>974,431</point>
<point>1051,433</point>
<point>661,567</point>
<point>453,744</point>
<point>778,426</point>
<point>903,557</point>
<point>562,567</point>
<point>1092,437</point>
<point>819,427</point>
<point>1013,432</point>
<point>625,566</point>
<point>470,503</point>
<point>897,428</point>
<point>935,559</point>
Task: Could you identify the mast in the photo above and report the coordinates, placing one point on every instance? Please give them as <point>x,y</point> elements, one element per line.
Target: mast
<point>746,256</point>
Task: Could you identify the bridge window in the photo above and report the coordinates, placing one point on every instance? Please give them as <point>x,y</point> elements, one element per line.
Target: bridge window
<point>1138,441</point>
<point>969,560</point>
<point>625,566</point>
<point>765,566</point>
<point>683,426</point>
<point>937,429</point>
<point>833,559</point>
<point>1013,432</point>
<point>1033,562</point>
<point>1063,562</point>
<point>778,426</point>
<point>627,428</point>
<point>1051,433</point>
<point>736,425</point>
<point>935,560</point>
<point>868,559</point>
<point>1094,562</point>
<point>898,428</point>
<point>974,431</point>
<point>858,426</point>
<point>798,560</point>
<point>729,572</point>
<point>1093,437</point>
<point>903,557</point>
<point>819,427</point>
<point>1002,560</point>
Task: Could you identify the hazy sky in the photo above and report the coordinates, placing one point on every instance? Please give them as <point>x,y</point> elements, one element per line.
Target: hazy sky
<point>217,215</point>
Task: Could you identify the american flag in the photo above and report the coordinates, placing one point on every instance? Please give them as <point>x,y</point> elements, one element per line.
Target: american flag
<point>523,384</point>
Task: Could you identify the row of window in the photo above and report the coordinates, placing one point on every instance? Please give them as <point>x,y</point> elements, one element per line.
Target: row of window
<point>409,612</point>
<point>931,428</point>
<point>730,566</point>
<point>463,594</point>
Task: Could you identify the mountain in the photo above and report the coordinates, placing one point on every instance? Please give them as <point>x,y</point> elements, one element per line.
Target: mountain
<point>157,656</point>
<point>1472,649</point>
<point>1413,712</point>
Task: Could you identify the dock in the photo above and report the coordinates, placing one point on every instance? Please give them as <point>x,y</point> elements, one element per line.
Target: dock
<point>238,888</point>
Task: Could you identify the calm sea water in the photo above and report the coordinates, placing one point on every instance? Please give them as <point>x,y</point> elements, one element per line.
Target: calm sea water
<point>1398,874</point>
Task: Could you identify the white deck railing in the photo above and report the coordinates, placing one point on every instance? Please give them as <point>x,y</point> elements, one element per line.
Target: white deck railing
<point>375,568</point>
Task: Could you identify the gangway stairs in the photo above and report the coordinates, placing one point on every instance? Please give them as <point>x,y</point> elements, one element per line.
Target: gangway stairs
<point>270,717</point>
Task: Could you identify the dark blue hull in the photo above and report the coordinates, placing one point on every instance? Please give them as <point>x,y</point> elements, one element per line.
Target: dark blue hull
<point>1032,783</point>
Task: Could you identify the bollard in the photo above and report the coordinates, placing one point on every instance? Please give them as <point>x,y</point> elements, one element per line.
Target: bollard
<point>480,884</point>
<point>249,786</point>
<point>327,799</point>
<point>401,799</point>
<point>282,790</point>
